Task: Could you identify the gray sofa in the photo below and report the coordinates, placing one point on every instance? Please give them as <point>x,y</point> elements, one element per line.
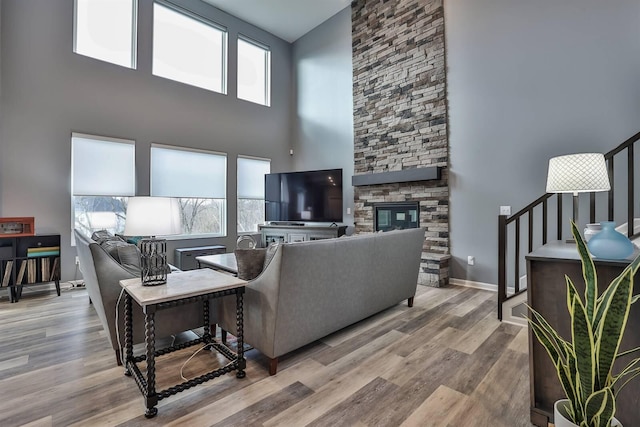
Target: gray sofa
<point>102,274</point>
<point>311,289</point>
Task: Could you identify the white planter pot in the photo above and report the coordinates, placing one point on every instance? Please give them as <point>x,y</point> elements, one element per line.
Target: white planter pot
<point>560,418</point>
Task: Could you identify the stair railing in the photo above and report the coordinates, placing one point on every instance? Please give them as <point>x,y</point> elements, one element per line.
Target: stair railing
<point>511,239</point>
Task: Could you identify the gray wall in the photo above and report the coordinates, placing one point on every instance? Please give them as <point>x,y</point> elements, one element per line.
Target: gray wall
<point>323,122</point>
<point>1,143</point>
<point>528,81</point>
<point>49,92</point>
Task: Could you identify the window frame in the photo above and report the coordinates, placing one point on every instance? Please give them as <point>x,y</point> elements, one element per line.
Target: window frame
<point>134,36</point>
<point>267,66</point>
<point>238,198</point>
<point>224,201</point>
<point>206,21</point>
<point>73,195</point>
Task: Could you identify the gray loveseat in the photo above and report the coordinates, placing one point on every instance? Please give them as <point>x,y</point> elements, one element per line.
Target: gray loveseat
<point>102,274</point>
<point>311,289</point>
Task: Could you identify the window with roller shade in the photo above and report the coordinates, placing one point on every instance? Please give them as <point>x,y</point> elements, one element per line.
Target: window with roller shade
<point>254,71</point>
<point>100,188</point>
<point>198,179</point>
<point>251,172</point>
<point>106,30</point>
<point>188,48</point>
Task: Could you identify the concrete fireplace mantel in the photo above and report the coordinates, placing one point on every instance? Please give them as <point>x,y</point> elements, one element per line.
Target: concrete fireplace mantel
<point>405,175</point>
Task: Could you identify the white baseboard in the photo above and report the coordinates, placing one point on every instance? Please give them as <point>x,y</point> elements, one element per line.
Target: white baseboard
<point>472,284</point>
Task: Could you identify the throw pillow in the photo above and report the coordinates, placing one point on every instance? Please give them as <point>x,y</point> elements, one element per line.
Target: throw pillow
<point>250,262</point>
<point>102,236</point>
<point>111,247</point>
<point>129,256</point>
<point>131,239</point>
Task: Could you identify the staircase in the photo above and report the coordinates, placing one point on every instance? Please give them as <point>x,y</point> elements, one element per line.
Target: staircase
<point>543,219</point>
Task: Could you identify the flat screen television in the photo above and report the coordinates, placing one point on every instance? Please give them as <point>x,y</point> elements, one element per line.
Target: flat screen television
<point>311,196</point>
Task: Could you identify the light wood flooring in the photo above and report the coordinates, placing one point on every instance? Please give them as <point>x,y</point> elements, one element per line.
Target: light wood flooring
<point>445,362</point>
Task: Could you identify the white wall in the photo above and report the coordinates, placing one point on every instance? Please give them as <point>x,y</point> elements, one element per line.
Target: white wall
<point>528,81</point>
<point>49,92</point>
<point>323,123</point>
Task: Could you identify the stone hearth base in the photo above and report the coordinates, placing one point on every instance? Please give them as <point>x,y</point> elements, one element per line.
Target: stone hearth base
<point>434,270</point>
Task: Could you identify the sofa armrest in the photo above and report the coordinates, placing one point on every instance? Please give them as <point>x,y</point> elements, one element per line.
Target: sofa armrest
<point>260,308</point>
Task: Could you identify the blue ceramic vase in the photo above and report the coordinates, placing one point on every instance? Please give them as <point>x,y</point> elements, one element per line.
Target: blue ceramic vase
<point>610,244</point>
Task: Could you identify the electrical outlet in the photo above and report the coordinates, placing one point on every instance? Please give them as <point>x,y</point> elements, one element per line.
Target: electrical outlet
<point>348,211</point>
<point>77,261</point>
<point>505,210</point>
<point>471,260</point>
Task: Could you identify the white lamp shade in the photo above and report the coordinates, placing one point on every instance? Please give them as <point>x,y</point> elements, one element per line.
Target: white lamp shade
<point>152,216</point>
<point>578,173</point>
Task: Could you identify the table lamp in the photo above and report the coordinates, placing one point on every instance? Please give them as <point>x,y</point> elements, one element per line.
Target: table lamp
<point>577,173</point>
<point>151,217</point>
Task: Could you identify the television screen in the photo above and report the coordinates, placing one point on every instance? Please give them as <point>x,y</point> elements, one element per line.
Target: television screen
<point>312,196</point>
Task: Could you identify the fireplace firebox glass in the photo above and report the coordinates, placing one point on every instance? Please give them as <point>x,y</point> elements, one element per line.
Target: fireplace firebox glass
<point>396,216</point>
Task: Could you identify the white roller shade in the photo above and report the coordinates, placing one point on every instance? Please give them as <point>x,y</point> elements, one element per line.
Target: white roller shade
<point>251,174</point>
<point>188,173</point>
<point>102,166</point>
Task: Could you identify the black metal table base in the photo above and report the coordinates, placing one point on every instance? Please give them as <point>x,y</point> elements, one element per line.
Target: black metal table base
<point>147,383</point>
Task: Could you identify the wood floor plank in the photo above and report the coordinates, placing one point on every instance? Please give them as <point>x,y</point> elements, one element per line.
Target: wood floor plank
<point>228,405</point>
<point>331,354</point>
<point>431,329</point>
<point>43,422</point>
<point>261,411</point>
<point>439,409</point>
<point>356,359</point>
<point>501,383</point>
<point>480,362</point>
<point>474,316</point>
<point>469,341</point>
<point>444,362</point>
<point>471,303</point>
<point>350,411</point>
<point>423,354</point>
<point>520,342</point>
<point>334,392</point>
<point>353,331</point>
<point>12,363</point>
<point>392,411</point>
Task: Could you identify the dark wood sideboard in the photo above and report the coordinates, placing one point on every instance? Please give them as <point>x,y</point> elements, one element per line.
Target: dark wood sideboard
<point>546,270</point>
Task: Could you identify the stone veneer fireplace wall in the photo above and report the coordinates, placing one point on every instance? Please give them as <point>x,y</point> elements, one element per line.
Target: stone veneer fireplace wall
<point>400,118</point>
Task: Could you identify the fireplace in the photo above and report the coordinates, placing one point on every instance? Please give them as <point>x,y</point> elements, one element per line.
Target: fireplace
<point>401,152</point>
<point>396,216</point>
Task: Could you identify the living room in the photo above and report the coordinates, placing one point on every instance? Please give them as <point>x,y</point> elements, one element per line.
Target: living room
<point>48,92</point>
<point>524,81</point>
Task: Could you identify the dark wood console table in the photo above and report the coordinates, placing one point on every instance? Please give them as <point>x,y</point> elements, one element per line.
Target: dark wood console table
<point>181,288</point>
<point>547,293</point>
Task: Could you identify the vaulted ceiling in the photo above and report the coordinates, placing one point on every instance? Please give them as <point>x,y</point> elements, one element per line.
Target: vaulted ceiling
<point>287,19</point>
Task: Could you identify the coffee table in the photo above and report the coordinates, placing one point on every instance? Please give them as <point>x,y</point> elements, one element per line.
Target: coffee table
<point>223,262</point>
<point>181,288</point>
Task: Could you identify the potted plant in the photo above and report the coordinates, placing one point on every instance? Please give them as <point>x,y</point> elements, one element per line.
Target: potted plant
<point>585,362</point>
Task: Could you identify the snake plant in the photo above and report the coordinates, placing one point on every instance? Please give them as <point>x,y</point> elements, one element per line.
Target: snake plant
<point>584,363</point>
